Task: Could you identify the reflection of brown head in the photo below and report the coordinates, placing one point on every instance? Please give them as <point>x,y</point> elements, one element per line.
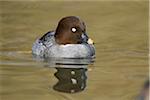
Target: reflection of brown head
<point>70,80</point>
<point>69,30</point>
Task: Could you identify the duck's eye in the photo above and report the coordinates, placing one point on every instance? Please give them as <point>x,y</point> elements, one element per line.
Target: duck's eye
<point>73,30</point>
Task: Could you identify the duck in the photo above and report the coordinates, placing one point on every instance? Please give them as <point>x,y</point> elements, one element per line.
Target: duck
<point>69,40</point>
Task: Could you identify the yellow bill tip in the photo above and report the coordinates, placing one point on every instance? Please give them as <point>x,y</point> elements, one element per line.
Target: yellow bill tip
<point>90,41</point>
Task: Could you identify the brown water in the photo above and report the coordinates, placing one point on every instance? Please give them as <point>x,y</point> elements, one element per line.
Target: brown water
<point>120,33</point>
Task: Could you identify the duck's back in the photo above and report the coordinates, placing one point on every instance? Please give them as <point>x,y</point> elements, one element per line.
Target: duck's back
<point>47,47</point>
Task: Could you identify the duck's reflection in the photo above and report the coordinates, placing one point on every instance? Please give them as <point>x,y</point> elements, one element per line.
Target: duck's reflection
<point>70,80</point>
<point>71,73</point>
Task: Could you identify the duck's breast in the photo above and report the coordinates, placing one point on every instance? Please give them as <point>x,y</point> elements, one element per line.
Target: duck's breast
<point>71,51</point>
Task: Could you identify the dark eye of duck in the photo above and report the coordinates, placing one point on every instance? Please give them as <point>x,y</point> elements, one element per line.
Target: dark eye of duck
<point>73,29</point>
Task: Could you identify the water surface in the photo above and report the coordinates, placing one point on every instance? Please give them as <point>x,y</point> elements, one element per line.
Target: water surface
<point>120,33</point>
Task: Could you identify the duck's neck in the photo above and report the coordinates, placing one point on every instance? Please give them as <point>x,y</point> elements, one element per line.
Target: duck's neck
<point>60,40</point>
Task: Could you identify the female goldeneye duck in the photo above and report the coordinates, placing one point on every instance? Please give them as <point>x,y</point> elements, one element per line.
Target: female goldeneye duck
<point>69,40</point>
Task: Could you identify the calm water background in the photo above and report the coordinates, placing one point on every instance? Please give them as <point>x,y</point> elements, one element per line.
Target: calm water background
<point>118,28</point>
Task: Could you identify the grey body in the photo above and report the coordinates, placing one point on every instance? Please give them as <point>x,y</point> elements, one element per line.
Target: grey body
<point>47,47</point>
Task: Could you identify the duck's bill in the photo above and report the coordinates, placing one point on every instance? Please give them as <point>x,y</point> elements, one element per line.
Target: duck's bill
<point>86,39</point>
<point>90,41</point>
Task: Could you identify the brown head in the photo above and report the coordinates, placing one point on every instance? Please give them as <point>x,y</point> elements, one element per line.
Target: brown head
<point>70,30</point>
